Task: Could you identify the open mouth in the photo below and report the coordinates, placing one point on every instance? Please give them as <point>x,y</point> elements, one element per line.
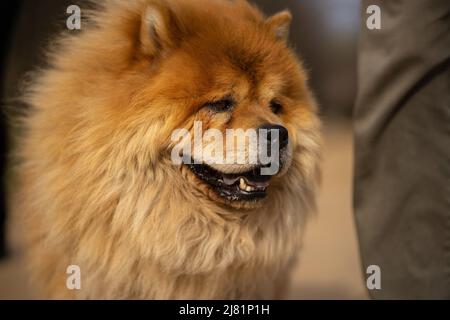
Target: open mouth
<point>245,186</point>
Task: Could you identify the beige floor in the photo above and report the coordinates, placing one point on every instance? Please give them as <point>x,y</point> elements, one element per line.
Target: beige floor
<point>329,267</point>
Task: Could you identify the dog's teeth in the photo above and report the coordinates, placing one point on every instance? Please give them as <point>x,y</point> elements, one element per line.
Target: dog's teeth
<point>242,184</point>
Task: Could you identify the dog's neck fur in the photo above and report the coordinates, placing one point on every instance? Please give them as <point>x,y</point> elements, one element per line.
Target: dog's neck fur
<point>196,243</point>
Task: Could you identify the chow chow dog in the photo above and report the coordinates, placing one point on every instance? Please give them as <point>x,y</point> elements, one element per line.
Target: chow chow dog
<point>98,187</point>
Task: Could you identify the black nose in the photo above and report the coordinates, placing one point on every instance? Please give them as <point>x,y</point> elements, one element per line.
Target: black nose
<point>283,135</point>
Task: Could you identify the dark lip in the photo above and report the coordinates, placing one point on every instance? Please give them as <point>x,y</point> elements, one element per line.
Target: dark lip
<point>215,180</point>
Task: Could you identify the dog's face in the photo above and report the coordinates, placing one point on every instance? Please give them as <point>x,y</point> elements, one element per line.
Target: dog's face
<point>232,95</point>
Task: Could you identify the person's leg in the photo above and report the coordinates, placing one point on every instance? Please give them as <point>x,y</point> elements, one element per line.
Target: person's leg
<point>402,148</point>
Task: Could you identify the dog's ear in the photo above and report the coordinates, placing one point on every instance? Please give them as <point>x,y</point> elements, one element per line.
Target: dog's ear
<point>279,24</point>
<point>159,29</point>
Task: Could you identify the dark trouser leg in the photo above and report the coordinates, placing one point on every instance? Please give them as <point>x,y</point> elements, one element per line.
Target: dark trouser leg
<point>402,148</point>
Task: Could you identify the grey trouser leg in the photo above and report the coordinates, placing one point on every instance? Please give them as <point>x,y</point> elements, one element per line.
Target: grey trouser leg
<point>402,148</point>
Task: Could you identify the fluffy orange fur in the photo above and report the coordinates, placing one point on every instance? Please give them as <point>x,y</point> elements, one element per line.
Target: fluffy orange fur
<point>97,186</point>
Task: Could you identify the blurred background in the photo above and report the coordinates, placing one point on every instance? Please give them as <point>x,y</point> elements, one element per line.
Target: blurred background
<point>325,34</point>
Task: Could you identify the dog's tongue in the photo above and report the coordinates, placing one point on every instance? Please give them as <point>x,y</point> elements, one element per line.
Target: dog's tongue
<point>230,179</point>
<point>252,178</point>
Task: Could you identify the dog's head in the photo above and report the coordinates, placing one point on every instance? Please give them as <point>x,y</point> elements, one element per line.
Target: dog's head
<point>229,95</point>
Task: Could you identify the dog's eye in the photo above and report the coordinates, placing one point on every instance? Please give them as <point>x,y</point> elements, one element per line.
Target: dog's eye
<point>276,107</point>
<point>221,105</point>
